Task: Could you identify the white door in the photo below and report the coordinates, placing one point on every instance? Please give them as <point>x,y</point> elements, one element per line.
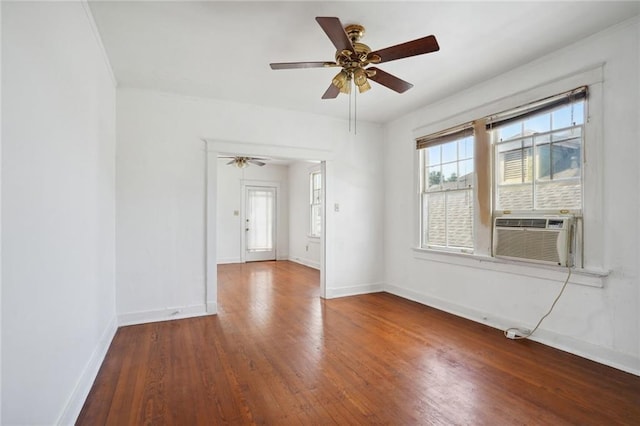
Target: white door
<point>260,223</point>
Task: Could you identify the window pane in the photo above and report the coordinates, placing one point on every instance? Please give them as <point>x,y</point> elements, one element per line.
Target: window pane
<point>465,169</point>
<point>515,197</point>
<point>538,124</point>
<point>432,155</point>
<point>460,219</point>
<point>578,113</point>
<point>465,148</point>
<point>566,159</point>
<point>449,152</point>
<point>450,175</point>
<point>543,157</point>
<point>561,194</point>
<point>561,117</point>
<point>316,220</point>
<point>435,178</point>
<point>435,216</point>
<point>509,131</point>
<point>515,164</point>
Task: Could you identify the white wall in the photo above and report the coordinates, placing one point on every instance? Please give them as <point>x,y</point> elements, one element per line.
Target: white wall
<point>302,248</point>
<point>161,194</point>
<point>599,323</point>
<point>0,218</point>
<point>229,225</point>
<point>58,212</point>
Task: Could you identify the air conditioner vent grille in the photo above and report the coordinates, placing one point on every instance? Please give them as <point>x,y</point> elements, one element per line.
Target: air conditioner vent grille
<point>532,245</point>
<point>521,222</point>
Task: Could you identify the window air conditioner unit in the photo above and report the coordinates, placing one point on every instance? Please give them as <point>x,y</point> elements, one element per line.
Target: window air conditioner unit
<point>534,239</point>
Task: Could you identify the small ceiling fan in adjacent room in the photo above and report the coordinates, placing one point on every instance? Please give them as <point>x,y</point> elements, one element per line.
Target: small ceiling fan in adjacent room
<point>242,162</point>
<point>354,58</point>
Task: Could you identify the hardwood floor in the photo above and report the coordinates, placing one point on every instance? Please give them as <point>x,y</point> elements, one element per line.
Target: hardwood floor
<point>278,354</point>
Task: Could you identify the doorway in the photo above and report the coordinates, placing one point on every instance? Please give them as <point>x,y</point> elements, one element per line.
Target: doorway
<point>259,223</point>
<point>212,211</point>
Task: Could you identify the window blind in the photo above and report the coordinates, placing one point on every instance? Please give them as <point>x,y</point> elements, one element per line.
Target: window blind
<point>445,136</point>
<point>547,104</point>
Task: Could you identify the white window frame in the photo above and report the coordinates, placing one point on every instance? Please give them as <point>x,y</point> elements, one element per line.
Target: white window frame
<point>312,205</point>
<point>591,270</point>
<point>460,133</point>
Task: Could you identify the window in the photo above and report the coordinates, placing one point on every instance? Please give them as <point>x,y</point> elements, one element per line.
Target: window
<point>315,204</point>
<point>447,190</point>
<point>538,160</point>
<point>525,160</point>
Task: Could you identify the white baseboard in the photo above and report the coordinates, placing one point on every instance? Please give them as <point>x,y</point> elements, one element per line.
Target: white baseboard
<point>225,260</point>
<point>306,262</point>
<point>176,312</point>
<point>88,376</point>
<point>212,308</point>
<point>335,292</point>
<point>602,355</point>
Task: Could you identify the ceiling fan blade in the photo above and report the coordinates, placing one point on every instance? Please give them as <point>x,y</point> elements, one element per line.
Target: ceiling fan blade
<point>335,31</point>
<point>331,93</point>
<point>295,65</point>
<point>231,162</point>
<point>389,80</point>
<point>420,46</point>
<point>257,163</point>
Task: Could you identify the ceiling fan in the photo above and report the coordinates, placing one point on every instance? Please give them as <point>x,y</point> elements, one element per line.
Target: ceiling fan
<point>354,58</point>
<point>242,162</point>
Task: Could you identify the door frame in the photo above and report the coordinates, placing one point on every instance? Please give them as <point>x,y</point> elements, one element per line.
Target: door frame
<point>213,147</point>
<point>244,184</point>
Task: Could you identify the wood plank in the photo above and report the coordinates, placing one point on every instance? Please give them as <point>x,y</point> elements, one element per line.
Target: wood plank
<point>278,354</point>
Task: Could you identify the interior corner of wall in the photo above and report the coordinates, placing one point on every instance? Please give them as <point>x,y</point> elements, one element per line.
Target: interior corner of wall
<point>212,308</point>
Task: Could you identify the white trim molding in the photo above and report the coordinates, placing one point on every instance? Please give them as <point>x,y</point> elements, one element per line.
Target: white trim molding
<point>333,293</point>
<point>90,372</point>
<point>306,262</point>
<point>167,314</point>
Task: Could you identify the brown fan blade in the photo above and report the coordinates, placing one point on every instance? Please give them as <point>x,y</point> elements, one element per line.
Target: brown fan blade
<point>420,46</point>
<point>331,93</point>
<point>294,65</point>
<point>388,80</point>
<point>231,162</point>
<point>257,163</point>
<point>335,31</point>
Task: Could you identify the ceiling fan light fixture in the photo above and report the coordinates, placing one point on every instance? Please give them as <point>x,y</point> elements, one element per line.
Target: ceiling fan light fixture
<point>359,76</point>
<point>360,79</point>
<point>240,162</point>
<point>341,80</point>
<point>364,87</point>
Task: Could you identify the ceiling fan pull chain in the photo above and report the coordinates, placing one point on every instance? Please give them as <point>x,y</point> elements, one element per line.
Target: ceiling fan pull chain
<point>350,94</point>
<point>355,112</point>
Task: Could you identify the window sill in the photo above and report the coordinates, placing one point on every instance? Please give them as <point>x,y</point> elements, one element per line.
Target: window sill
<point>586,277</point>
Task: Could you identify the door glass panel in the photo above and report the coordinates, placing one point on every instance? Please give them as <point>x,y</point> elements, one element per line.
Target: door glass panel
<point>260,219</point>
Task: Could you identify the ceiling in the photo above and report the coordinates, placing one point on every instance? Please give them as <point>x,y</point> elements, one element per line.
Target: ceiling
<point>222,50</point>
